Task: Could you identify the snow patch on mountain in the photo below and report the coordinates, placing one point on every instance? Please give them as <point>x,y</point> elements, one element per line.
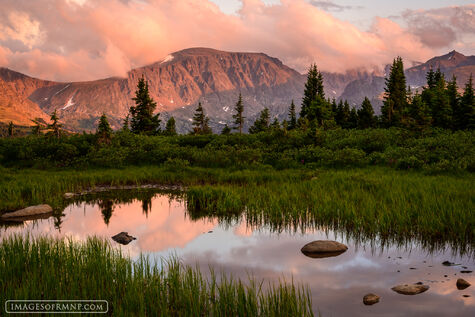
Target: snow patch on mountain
<point>62,89</point>
<point>69,103</point>
<point>167,59</point>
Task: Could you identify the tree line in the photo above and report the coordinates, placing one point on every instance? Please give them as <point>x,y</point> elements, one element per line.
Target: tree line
<point>438,105</point>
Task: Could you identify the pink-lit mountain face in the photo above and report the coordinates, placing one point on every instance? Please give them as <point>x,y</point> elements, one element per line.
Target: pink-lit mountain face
<point>184,78</point>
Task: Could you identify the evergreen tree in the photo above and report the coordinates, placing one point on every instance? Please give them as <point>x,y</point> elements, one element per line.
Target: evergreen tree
<point>439,105</point>
<point>313,88</point>
<point>125,125</point>
<point>395,100</point>
<point>454,102</point>
<point>343,114</point>
<point>55,126</point>
<point>170,128</point>
<point>36,129</point>
<point>430,78</point>
<point>275,125</point>
<point>200,121</point>
<point>366,117</point>
<point>142,118</point>
<point>292,124</point>
<point>104,130</point>
<point>467,105</point>
<point>226,130</point>
<point>262,123</point>
<point>11,129</point>
<point>353,119</point>
<point>418,115</point>
<point>238,116</point>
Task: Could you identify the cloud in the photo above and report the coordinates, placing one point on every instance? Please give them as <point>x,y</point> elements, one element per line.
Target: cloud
<point>84,39</point>
<point>442,27</point>
<point>331,6</point>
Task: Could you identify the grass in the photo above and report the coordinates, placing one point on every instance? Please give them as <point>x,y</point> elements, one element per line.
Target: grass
<point>365,204</point>
<point>25,187</point>
<point>46,268</point>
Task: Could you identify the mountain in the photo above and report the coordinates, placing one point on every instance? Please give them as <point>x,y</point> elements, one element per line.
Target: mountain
<point>453,63</point>
<point>15,88</point>
<point>184,78</point>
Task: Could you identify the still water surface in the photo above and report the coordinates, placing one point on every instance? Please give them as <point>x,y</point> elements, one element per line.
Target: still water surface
<point>163,227</point>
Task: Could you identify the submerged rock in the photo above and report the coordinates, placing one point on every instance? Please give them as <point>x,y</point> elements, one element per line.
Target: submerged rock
<point>29,211</point>
<point>410,289</point>
<point>123,238</point>
<point>448,263</point>
<point>466,271</point>
<point>323,249</point>
<point>462,284</point>
<point>370,299</point>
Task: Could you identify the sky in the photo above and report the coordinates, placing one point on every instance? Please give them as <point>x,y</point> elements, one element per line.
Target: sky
<point>73,40</point>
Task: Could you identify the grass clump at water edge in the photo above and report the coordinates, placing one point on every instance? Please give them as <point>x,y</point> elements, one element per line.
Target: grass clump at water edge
<point>48,268</point>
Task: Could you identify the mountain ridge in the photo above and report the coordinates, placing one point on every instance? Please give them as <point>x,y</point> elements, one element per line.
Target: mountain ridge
<point>183,78</point>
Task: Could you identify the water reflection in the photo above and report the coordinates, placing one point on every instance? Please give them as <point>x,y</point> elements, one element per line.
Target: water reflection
<point>244,245</point>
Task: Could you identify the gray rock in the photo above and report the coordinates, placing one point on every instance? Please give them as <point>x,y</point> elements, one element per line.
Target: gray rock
<point>323,249</point>
<point>410,289</point>
<point>462,284</point>
<point>123,238</point>
<point>370,299</point>
<point>29,211</point>
<point>68,195</point>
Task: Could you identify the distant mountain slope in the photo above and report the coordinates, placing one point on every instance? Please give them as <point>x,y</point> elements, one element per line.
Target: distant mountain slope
<point>450,64</point>
<point>15,88</point>
<point>184,78</point>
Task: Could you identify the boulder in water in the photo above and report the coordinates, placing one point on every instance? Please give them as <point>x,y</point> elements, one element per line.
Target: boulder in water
<point>323,249</point>
<point>123,238</point>
<point>410,289</point>
<point>462,284</point>
<point>29,211</point>
<point>370,299</point>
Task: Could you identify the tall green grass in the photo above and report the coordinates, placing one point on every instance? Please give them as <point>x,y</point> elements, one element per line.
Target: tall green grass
<point>21,188</point>
<point>366,204</point>
<point>46,268</point>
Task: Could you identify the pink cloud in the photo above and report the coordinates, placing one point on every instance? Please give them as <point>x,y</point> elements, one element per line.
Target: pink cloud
<point>82,40</point>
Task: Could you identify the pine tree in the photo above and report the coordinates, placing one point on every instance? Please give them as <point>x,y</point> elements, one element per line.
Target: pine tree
<point>226,130</point>
<point>125,124</point>
<point>343,114</point>
<point>395,100</point>
<point>292,124</point>
<point>439,105</point>
<point>366,115</point>
<point>430,78</point>
<point>238,116</point>
<point>104,130</point>
<point>11,129</point>
<point>200,121</point>
<point>55,126</point>
<point>170,128</point>
<point>353,119</point>
<point>418,115</point>
<point>314,104</point>
<point>275,125</point>
<point>467,105</point>
<point>143,121</point>
<point>36,129</point>
<point>262,123</point>
<point>454,102</point>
